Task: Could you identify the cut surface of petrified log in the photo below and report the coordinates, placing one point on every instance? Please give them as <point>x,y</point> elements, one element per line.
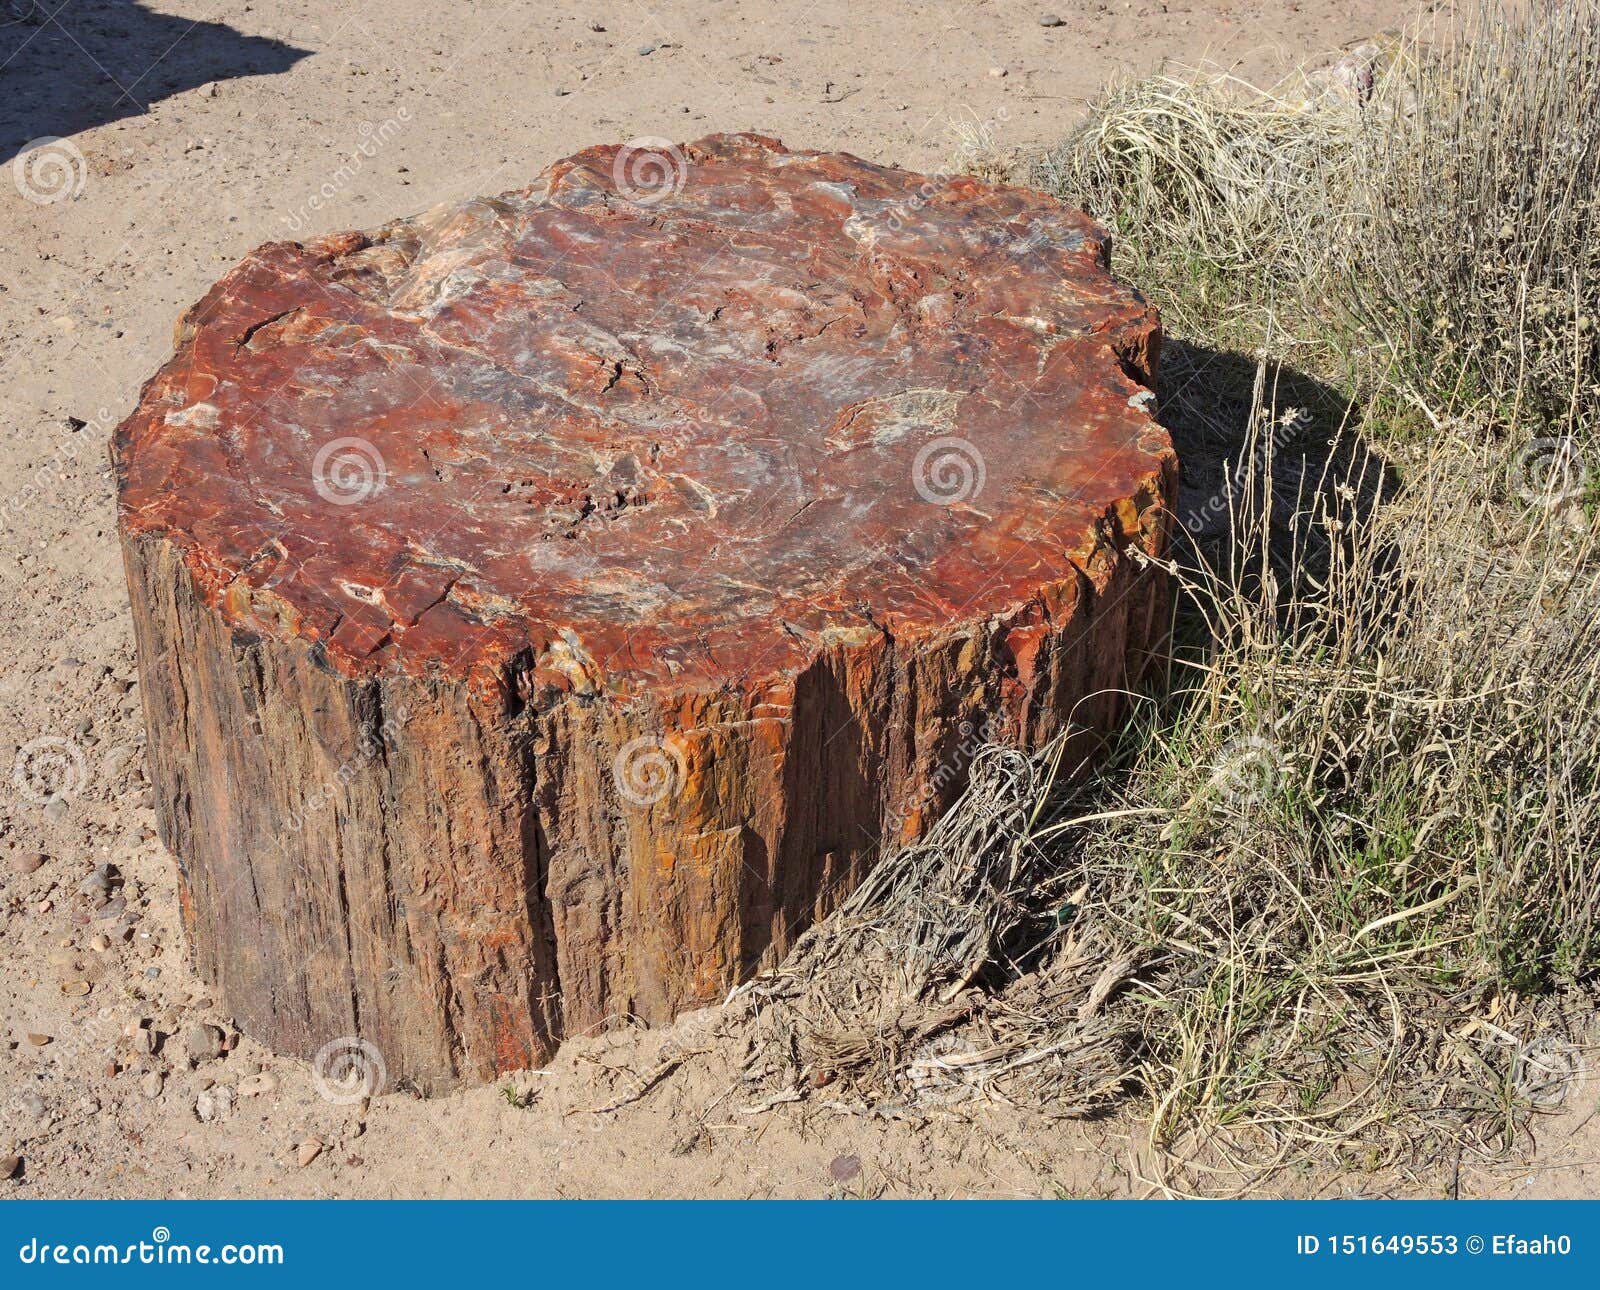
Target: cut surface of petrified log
<point>549,605</point>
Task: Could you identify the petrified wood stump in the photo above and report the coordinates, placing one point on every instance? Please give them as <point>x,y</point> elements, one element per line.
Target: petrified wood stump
<point>549,605</point>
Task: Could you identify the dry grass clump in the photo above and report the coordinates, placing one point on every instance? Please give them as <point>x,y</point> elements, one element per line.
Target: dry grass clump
<point>1417,212</point>
<point>1338,893</point>
<point>1477,265</point>
<point>1363,836</point>
<point>896,1002</point>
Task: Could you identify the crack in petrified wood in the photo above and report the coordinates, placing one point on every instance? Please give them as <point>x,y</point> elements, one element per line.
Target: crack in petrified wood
<point>427,527</point>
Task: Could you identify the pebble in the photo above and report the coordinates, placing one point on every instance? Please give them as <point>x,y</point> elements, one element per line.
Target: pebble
<point>150,1085</point>
<point>645,50</point>
<point>1050,20</point>
<point>997,72</point>
<point>214,1104</point>
<point>31,863</point>
<point>202,1043</point>
<point>309,1150</point>
<point>38,1040</point>
<point>143,1041</point>
<point>33,1106</point>
<point>258,1085</point>
<point>843,1169</point>
<point>101,943</point>
<point>112,908</point>
<point>75,989</point>
<point>9,1165</point>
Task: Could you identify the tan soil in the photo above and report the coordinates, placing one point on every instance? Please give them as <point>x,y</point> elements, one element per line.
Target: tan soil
<point>188,165</point>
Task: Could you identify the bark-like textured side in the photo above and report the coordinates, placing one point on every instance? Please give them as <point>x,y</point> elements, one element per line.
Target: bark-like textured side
<point>462,878</point>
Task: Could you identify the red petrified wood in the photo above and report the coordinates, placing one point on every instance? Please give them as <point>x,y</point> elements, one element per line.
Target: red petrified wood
<point>549,605</point>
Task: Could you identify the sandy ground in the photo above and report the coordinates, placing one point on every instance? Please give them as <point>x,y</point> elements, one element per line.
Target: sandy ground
<point>199,130</point>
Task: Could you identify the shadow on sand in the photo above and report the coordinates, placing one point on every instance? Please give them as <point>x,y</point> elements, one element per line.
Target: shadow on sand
<point>68,65</point>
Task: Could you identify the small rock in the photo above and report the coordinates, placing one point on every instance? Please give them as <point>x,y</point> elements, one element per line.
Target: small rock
<point>101,943</point>
<point>143,1041</point>
<point>150,1085</point>
<point>33,1106</point>
<point>9,1166</point>
<point>112,909</point>
<point>38,1040</point>
<point>56,809</point>
<point>997,72</point>
<point>214,1104</point>
<point>1050,20</point>
<point>843,1169</point>
<point>26,864</point>
<point>75,989</point>
<point>646,50</point>
<point>202,1043</point>
<point>309,1150</point>
<point>258,1085</point>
